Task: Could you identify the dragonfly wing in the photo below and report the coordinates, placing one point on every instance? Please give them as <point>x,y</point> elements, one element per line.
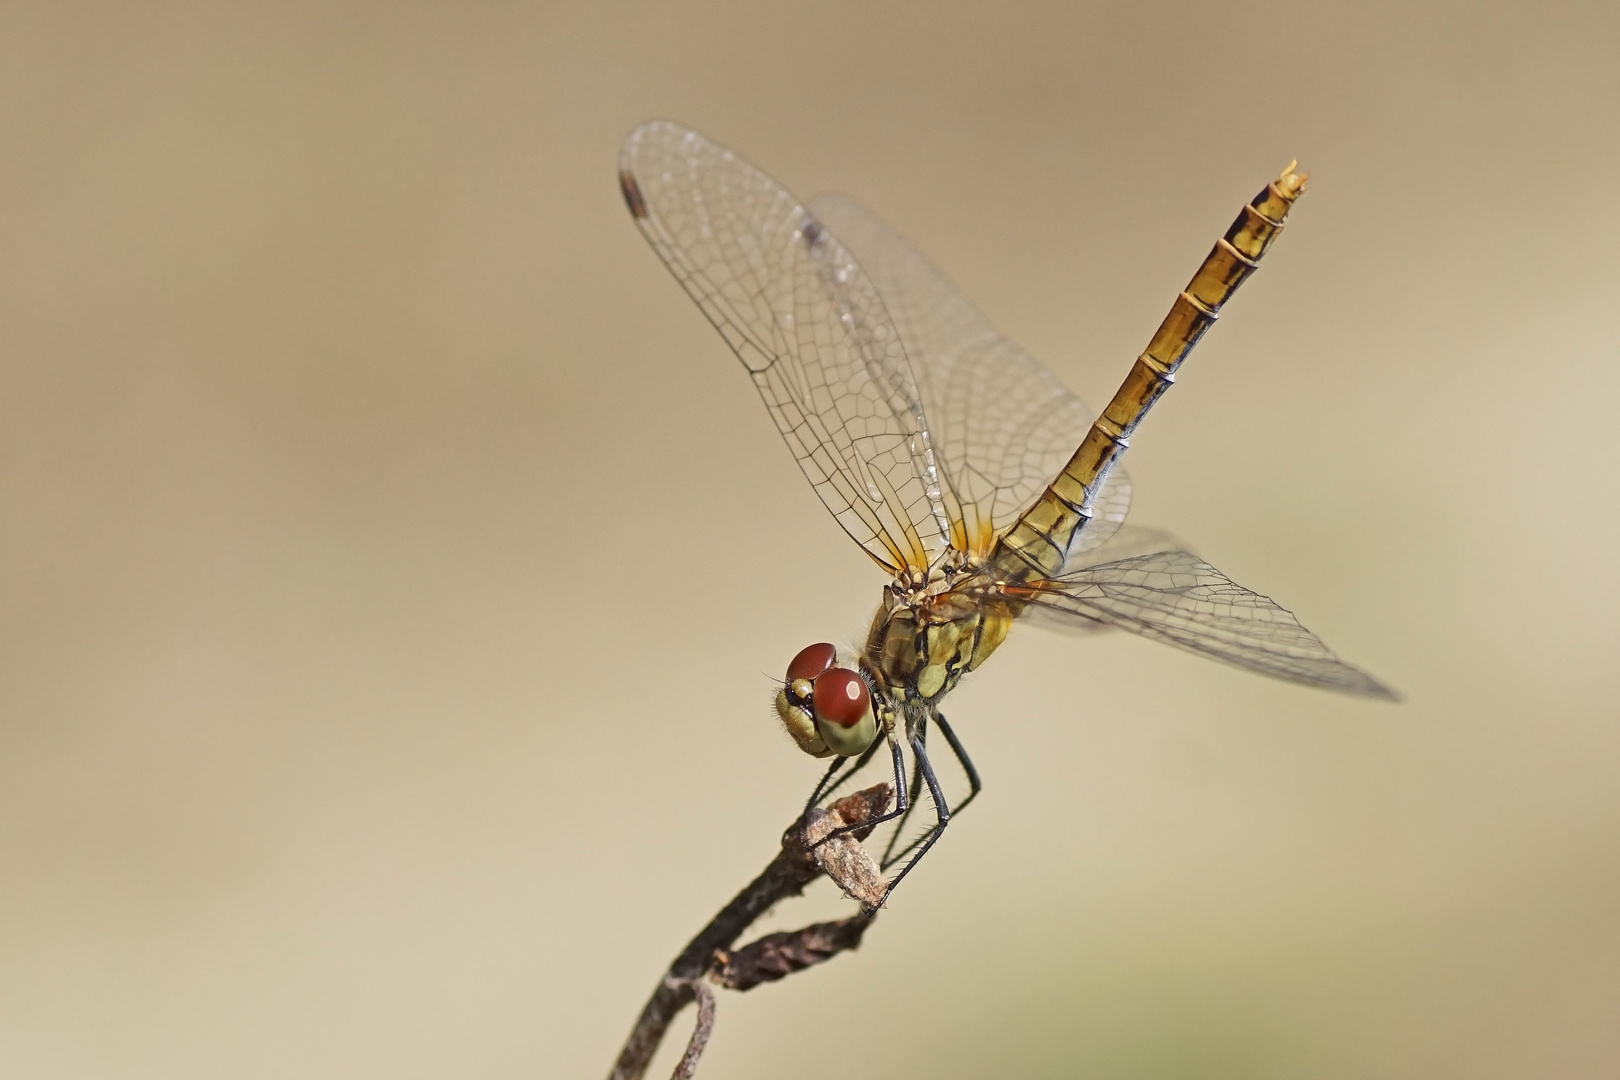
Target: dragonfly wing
<point>1177,598</point>
<point>1126,542</point>
<point>1003,424</point>
<point>810,327</point>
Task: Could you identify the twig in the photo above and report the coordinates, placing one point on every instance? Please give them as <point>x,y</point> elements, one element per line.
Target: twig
<point>700,1034</point>
<point>776,956</point>
<point>800,862</point>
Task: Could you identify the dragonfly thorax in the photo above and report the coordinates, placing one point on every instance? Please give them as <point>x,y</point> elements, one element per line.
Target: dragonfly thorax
<point>922,643</point>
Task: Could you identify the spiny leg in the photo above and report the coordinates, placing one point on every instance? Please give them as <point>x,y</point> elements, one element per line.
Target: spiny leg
<point>942,814</point>
<point>904,803</point>
<point>914,789</point>
<point>821,785</point>
<point>825,788</point>
<point>974,787</point>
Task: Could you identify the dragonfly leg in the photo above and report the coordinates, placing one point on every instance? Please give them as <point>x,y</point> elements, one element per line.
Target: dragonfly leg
<point>890,856</point>
<point>822,785</point>
<point>826,788</point>
<point>974,787</point>
<point>942,812</point>
<point>903,802</point>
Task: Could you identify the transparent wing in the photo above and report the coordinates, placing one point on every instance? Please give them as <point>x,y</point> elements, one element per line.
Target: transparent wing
<point>809,326</point>
<point>1003,425</point>
<point>1127,542</point>
<point>1178,598</point>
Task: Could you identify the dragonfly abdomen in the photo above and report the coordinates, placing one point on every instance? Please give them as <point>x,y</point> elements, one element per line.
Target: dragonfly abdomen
<point>1040,541</point>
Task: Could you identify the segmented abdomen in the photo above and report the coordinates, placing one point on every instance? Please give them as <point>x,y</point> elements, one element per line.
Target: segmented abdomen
<point>1037,545</point>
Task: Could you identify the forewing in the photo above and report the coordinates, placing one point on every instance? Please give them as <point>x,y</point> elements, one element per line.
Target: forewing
<point>1002,424</point>
<point>809,326</point>
<point>1178,598</point>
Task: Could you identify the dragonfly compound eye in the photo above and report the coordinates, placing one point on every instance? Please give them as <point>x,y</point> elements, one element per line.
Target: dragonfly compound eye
<point>844,712</point>
<point>811,662</point>
<point>793,701</point>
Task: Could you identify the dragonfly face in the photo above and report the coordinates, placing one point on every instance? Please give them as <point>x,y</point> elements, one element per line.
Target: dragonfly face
<point>957,461</point>
<point>826,707</point>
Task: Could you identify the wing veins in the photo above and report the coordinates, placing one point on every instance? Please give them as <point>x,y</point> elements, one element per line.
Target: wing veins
<point>1177,598</point>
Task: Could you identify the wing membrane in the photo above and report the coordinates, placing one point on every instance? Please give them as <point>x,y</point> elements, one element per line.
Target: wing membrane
<point>1003,425</point>
<point>810,327</point>
<point>1177,598</point>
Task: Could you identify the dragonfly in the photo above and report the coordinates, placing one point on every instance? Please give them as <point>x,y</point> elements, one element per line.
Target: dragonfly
<point>987,491</point>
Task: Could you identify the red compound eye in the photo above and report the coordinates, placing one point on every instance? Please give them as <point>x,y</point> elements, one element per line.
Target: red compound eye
<point>842,697</point>
<point>811,661</point>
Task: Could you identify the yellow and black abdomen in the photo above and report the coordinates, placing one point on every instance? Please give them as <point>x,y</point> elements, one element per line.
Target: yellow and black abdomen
<point>1039,542</point>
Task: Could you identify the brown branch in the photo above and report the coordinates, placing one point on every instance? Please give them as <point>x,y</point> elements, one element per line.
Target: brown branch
<point>700,1034</point>
<point>776,956</point>
<point>805,856</point>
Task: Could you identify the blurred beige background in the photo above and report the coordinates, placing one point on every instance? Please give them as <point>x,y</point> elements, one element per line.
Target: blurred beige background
<point>393,563</point>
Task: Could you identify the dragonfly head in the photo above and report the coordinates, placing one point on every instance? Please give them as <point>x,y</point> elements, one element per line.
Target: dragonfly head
<point>827,708</point>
